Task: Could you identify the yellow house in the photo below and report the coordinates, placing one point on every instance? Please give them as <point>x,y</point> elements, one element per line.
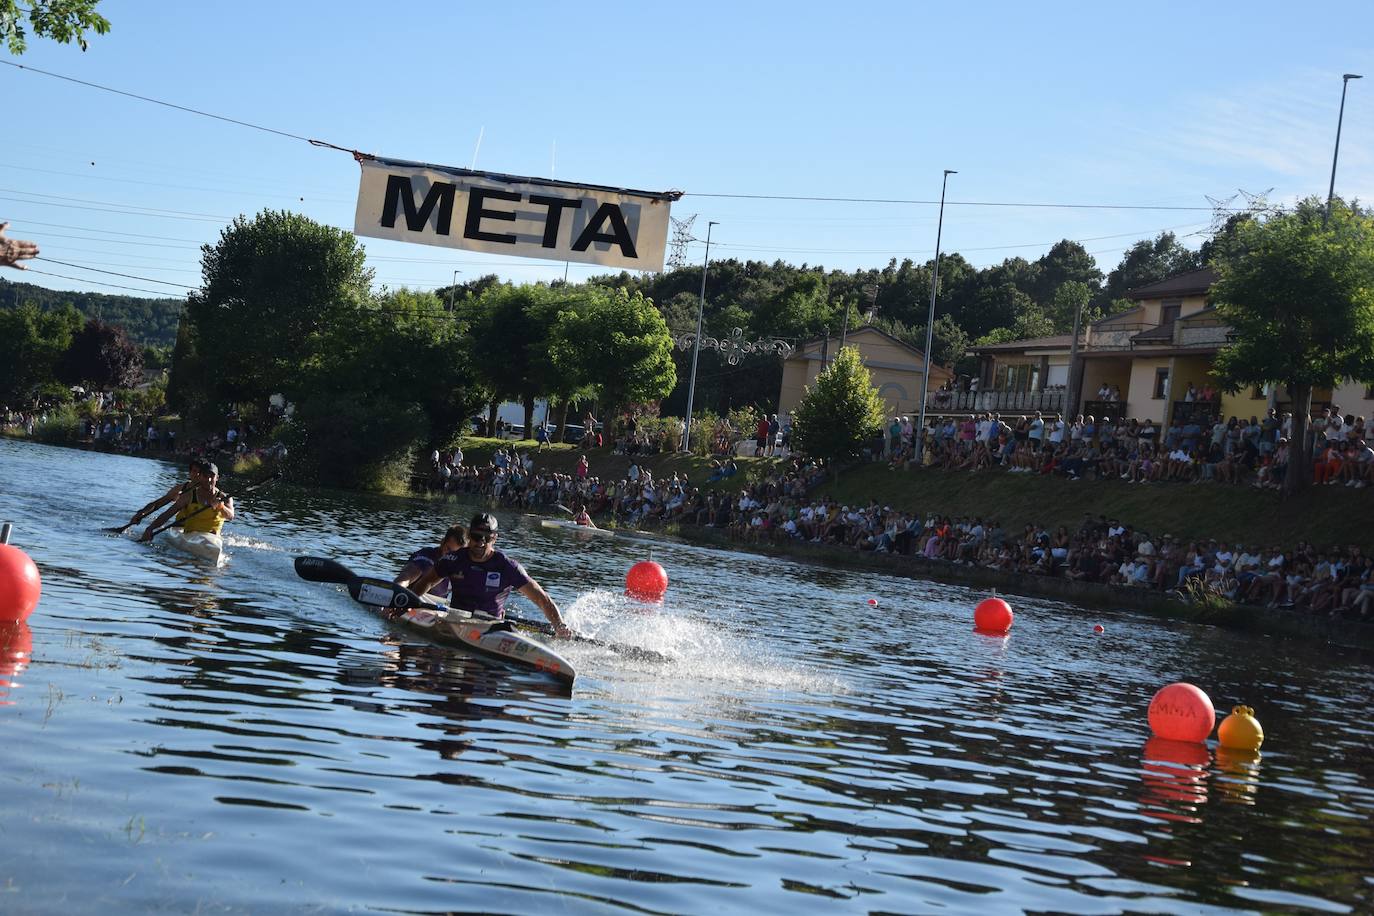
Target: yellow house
<point>895,366</point>
<point>1145,359</point>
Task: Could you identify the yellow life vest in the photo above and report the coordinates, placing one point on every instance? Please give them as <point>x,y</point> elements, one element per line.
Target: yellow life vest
<point>194,519</point>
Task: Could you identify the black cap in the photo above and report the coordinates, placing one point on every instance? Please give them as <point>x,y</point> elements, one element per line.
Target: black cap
<point>484,520</point>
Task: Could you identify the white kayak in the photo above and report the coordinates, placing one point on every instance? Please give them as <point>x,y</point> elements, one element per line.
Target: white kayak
<point>200,544</point>
<point>585,529</point>
<point>496,638</point>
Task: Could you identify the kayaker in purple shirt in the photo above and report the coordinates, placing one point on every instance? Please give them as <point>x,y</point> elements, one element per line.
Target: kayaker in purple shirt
<point>480,577</point>
<point>455,539</point>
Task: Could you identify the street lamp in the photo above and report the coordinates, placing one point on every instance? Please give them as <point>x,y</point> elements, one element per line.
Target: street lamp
<point>696,346</point>
<point>1331,189</point>
<point>930,322</point>
<point>452,289</point>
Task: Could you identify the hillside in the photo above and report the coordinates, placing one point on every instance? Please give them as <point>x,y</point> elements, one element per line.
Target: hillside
<point>147,321</point>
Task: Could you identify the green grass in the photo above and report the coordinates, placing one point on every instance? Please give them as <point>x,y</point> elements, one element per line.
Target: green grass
<point>1322,516</point>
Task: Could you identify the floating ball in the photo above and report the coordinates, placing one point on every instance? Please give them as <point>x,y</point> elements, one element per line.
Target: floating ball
<point>646,581</point>
<point>1182,712</point>
<point>872,602</point>
<point>19,584</point>
<point>1240,731</point>
<point>992,615</point>
<point>1099,629</point>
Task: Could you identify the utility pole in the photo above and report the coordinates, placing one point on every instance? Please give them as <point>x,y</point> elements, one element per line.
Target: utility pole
<point>696,344</point>
<point>1331,189</point>
<point>930,322</point>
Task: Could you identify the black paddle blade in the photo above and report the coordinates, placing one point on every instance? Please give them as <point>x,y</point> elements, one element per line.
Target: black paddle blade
<point>120,530</point>
<point>323,569</point>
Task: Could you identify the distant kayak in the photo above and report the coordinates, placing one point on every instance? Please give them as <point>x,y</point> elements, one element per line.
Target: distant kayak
<point>200,544</point>
<point>565,523</point>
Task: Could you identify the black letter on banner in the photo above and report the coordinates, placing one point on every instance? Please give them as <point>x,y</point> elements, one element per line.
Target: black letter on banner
<point>398,190</point>
<point>556,207</point>
<point>473,229</point>
<point>620,234</point>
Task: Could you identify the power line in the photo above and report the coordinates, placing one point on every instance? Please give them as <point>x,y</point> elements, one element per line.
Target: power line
<point>948,203</point>
<point>113,273</point>
<point>160,293</point>
<point>194,111</point>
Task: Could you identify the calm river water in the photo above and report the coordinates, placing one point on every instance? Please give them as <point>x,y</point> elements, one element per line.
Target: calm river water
<point>238,740</point>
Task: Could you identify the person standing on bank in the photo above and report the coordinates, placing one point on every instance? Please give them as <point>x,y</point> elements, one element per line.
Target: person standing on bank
<point>482,577</point>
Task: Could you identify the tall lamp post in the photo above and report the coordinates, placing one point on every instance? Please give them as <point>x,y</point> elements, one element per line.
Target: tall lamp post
<point>930,322</point>
<point>696,347</point>
<point>1331,189</point>
<point>452,289</point>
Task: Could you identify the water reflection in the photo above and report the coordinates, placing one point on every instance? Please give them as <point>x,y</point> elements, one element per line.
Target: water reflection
<point>239,739</point>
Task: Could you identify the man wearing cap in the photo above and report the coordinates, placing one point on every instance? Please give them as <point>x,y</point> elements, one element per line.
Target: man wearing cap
<point>203,507</point>
<point>482,577</point>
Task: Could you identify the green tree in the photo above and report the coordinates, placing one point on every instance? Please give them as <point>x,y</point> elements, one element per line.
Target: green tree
<point>841,413</point>
<point>1300,296</point>
<point>509,328</point>
<point>31,344</point>
<point>273,288</point>
<point>101,356</point>
<point>616,345</point>
<point>1066,262</point>
<point>1064,305</point>
<point>1146,262</point>
<point>63,21</point>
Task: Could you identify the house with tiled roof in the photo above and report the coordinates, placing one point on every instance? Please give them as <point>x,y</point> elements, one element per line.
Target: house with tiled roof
<point>1145,358</point>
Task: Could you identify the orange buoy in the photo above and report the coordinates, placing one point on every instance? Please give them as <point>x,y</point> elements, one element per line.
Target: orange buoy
<point>646,581</point>
<point>992,616</point>
<point>20,585</point>
<point>1182,712</point>
<point>1240,731</point>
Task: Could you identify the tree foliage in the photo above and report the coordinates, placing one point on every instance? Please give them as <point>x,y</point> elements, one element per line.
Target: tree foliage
<point>147,321</point>
<point>63,21</point>
<point>101,356</point>
<point>31,345</point>
<point>841,413</point>
<point>616,346</point>
<point>273,288</point>
<point>1300,296</point>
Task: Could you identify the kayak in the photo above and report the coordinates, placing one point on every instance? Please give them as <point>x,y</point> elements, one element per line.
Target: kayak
<point>487,635</point>
<point>585,529</point>
<point>200,544</point>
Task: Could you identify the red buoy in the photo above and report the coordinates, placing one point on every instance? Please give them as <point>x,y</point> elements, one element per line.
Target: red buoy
<point>1099,629</point>
<point>1182,712</point>
<point>646,581</point>
<point>19,584</point>
<point>872,602</point>
<point>992,616</point>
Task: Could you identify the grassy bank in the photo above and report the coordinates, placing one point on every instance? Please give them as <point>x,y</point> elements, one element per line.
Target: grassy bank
<point>1323,516</point>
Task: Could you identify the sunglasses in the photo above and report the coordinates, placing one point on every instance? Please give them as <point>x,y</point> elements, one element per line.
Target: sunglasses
<point>482,537</point>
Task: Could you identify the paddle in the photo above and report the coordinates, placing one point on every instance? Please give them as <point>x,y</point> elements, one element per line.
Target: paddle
<point>178,522</point>
<point>380,592</point>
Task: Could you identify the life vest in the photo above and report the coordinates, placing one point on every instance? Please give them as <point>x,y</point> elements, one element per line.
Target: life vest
<point>193,519</point>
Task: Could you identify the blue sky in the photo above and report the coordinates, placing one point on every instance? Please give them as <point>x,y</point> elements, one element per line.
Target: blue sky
<point>1086,103</point>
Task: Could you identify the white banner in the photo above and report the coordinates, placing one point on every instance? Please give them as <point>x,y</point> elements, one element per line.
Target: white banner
<point>508,214</point>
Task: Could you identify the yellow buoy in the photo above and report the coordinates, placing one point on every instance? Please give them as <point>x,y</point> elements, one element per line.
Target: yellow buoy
<point>1240,730</point>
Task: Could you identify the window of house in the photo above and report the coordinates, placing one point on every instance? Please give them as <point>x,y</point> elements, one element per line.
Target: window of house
<point>1161,383</point>
<point>1169,309</point>
<point>1257,393</point>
